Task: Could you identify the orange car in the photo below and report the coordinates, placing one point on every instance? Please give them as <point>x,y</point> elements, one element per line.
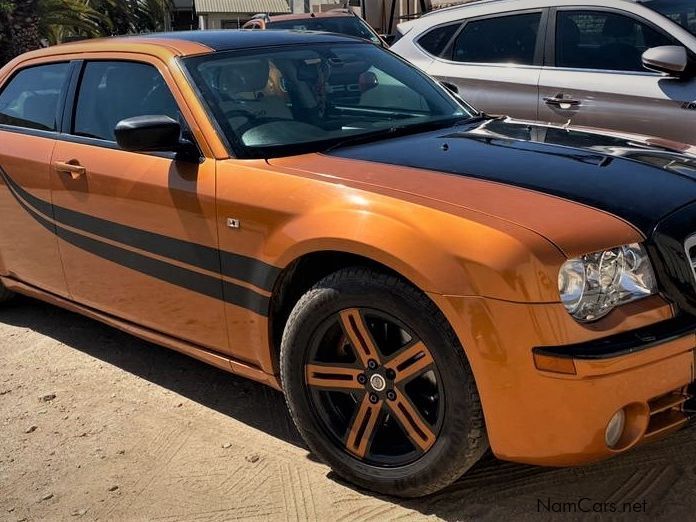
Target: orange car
<point>421,280</point>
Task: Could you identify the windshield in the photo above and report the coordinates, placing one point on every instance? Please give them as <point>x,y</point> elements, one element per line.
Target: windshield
<point>681,11</point>
<point>276,102</point>
<point>348,25</point>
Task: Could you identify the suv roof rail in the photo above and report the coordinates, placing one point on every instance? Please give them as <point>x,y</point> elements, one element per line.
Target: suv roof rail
<point>458,6</point>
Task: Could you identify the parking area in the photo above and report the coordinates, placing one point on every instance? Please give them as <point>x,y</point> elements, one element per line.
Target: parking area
<point>99,425</point>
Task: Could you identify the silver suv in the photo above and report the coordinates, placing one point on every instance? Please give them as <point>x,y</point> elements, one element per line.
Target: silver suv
<point>615,64</point>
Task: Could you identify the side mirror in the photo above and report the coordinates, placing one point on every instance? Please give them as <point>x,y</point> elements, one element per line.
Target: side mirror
<point>148,134</point>
<point>450,87</point>
<point>670,59</point>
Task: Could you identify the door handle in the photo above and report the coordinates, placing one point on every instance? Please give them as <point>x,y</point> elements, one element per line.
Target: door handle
<point>563,103</point>
<point>72,167</point>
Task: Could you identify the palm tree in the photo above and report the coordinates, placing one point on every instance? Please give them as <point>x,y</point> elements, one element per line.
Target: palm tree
<point>24,23</point>
<point>20,23</point>
<point>61,19</point>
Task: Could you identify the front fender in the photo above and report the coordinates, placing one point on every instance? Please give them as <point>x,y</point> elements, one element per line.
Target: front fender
<point>437,252</point>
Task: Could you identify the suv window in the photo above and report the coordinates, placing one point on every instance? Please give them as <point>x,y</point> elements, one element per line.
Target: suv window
<point>32,97</point>
<point>603,40</point>
<point>113,91</point>
<point>505,39</point>
<point>436,40</point>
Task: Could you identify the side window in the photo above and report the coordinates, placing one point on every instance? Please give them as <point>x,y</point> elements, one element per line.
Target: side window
<point>506,39</point>
<point>32,96</point>
<point>435,40</point>
<point>113,91</point>
<point>603,40</point>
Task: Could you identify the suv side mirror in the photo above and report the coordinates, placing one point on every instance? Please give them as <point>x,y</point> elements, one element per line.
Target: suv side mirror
<point>670,59</point>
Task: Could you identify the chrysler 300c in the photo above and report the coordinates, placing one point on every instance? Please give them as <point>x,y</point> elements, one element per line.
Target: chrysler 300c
<point>424,282</point>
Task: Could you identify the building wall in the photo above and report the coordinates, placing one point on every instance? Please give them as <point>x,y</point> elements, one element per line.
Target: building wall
<point>223,20</point>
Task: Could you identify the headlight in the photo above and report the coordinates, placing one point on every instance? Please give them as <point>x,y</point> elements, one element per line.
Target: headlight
<point>592,285</point>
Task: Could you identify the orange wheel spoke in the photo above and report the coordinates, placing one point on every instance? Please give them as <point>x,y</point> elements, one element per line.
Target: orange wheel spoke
<point>417,430</point>
<point>363,426</point>
<point>410,361</point>
<point>359,335</point>
<point>336,377</point>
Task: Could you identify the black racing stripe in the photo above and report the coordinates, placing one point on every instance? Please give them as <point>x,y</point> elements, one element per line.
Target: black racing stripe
<point>200,283</point>
<point>240,296</point>
<point>249,270</point>
<point>233,265</point>
<point>638,183</point>
<point>39,204</point>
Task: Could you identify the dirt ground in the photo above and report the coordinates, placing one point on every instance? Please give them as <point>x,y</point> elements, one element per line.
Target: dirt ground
<point>97,425</point>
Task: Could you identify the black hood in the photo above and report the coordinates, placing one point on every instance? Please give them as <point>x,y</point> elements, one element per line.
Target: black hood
<point>637,182</point>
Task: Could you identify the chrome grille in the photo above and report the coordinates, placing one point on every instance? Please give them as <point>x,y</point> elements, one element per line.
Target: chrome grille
<point>690,247</point>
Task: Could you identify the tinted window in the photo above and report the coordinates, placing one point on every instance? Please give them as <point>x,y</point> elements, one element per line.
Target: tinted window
<point>348,25</point>
<point>32,97</point>
<point>507,39</point>
<point>681,11</point>
<point>436,40</point>
<point>113,91</point>
<point>283,100</point>
<point>601,40</point>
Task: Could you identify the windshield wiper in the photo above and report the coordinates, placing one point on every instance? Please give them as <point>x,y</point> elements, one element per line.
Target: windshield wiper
<point>403,130</point>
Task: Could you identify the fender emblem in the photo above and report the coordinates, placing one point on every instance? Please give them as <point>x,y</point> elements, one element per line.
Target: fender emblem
<point>232,223</point>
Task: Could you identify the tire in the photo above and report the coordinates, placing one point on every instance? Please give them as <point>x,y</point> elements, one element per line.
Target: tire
<point>5,294</point>
<point>329,387</point>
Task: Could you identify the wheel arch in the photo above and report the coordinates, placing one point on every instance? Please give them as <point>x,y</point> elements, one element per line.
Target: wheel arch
<point>305,271</point>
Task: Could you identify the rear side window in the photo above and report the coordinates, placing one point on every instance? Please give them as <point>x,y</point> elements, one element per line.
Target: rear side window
<point>436,40</point>
<point>113,91</point>
<point>603,40</point>
<point>32,97</point>
<point>506,39</point>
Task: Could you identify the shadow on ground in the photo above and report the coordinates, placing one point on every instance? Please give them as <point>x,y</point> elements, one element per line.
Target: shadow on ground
<point>656,480</point>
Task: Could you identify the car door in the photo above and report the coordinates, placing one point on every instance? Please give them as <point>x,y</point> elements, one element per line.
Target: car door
<point>30,110</point>
<point>595,76</point>
<point>138,236</point>
<point>495,62</point>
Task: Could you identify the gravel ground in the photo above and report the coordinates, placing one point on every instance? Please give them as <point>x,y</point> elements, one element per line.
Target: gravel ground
<point>98,425</point>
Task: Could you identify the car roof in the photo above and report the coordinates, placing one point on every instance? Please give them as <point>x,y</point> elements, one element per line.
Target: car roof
<point>482,7</point>
<point>185,43</point>
<point>231,39</point>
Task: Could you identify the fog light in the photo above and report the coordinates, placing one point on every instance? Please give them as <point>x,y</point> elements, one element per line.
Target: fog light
<point>615,428</point>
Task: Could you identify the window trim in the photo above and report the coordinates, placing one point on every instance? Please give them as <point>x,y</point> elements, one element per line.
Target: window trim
<point>70,110</point>
<point>59,106</point>
<point>550,48</point>
<point>416,41</point>
<point>447,54</point>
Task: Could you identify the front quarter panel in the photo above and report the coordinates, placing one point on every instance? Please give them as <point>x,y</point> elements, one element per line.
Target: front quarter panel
<point>285,214</point>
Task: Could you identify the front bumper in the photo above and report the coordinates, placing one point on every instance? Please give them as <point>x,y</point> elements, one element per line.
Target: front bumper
<point>549,418</point>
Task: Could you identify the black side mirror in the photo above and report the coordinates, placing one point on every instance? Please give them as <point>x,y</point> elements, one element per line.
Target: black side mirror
<point>148,134</point>
<point>669,59</point>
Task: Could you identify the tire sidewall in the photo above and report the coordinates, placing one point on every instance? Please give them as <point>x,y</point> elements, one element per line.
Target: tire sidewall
<point>445,457</point>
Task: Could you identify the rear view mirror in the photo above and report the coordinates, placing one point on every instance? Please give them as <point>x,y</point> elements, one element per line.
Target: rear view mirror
<point>670,59</point>
<point>148,134</point>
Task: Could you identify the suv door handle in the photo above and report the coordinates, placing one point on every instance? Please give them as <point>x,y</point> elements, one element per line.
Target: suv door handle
<point>559,101</point>
<point>72,167</point>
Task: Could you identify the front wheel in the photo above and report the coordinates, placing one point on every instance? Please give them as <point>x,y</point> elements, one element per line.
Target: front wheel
<point>5,294</point>
<point>379,386</point>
